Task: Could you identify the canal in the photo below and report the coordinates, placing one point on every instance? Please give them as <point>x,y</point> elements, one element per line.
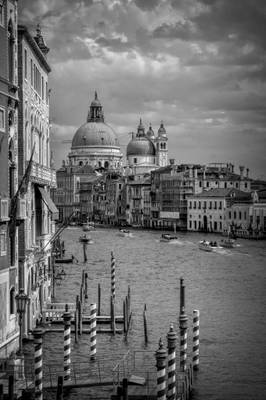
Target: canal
<point>227,286</point>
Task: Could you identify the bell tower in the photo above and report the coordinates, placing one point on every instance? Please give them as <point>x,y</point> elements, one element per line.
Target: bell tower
<point>161,147</point>
<point>95,113</point>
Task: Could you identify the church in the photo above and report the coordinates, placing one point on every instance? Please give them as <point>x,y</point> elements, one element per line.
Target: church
<point>96,144</point>
<point>96,153</point>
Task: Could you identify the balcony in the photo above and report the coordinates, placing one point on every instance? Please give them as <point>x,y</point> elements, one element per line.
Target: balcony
<point>42,175</point>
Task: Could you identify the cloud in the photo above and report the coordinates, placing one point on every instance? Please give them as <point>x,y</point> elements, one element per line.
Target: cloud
<point>197,64</point>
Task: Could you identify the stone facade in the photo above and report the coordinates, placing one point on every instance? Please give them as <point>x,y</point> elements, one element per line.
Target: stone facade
<point>9,176</point>
<point>36,175</point>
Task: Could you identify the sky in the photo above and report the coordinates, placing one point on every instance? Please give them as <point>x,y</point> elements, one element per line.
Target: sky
<point>196,65</point>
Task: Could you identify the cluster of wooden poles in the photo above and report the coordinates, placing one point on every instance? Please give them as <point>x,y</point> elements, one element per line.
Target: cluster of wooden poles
<point>67,316</point>
<point>166,377</point>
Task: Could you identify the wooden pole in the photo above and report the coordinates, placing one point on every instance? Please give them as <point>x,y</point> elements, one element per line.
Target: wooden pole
<point>84,252</point>
<point>1,391</point>
<point>195,350</point>
<point>59,392</point>
<point>183,328</point>
<point>99,299</point>
<point>53,277</point>
<point>171,344</point>
<point>80,317</point>
<point>38,363</point>
<point>113,275</point>
<point>145,325</point>
<point>86,285</point>
<point>113,328</point>
<point>76,325</point>
<point>125,389</point>
<point>11,387</point>
<point>161,372</point>
<point>93,329</point>
<point>67,343</point>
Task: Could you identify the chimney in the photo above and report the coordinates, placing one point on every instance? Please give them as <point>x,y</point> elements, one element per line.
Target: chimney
<point>241,170</point>
<point>172,161</point>
<point>247,172</point>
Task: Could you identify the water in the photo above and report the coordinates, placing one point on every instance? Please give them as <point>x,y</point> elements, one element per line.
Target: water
<point>227,286</point>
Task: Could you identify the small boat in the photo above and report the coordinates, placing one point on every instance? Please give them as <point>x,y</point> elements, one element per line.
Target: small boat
<point>87,227</point>
<point>64,260</point>
<point>86,239</point>
<point>228,243</point>
<point>166,237</point>
<point>208,246</point>
<point>125,233</point>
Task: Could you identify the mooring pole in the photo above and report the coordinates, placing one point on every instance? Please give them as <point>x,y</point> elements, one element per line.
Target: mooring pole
<point>183,328</point>
<point>67,343</point>
<point>171,341</point>
<point>38,367</point>
<point>161,373</point>
<point>195,350</point>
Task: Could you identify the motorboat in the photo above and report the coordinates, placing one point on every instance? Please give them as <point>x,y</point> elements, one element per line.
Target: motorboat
<point>125,233</point>
<point>208,246</point>
<point>64,260</point>
<point>229,243</point>
<point>86,239</point>
<point>86,227</point>
<point>166,237</point>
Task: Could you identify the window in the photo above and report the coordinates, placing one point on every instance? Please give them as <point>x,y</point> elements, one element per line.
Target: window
<point>234,214</point>
<point>12,301</point>
<point>3,244</point>
<point>229,215</point>
<point>195,205</point>
<point>220,205</point>
<point>1,14</point>
<point>210,205</point>
<point>135,160</point>
<point>240,215</point>
<point>25,64</point>
<point>215,205</point>
<point>2,119</point>
<point>199,205</point>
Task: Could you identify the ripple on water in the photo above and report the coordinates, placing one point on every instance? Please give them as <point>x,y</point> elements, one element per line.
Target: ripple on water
<point>228,287</point>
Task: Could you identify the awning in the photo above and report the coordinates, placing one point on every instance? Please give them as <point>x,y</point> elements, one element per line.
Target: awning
<point>49,202</point>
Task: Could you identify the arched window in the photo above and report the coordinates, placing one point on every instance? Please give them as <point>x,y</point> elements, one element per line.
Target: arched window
<point>80,163</point>
<point>100,164</point>
<point>106,164</point>
<point>11,42</point>
<point>12,301</point>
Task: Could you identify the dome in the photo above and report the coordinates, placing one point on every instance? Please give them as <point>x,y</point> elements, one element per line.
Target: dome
<point>94,134</point>
<point>141,146</point>
<point>161,130</point>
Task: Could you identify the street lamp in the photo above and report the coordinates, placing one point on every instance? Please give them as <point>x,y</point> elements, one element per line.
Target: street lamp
<point>21,302</point>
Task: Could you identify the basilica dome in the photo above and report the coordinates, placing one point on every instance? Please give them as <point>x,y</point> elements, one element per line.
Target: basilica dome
<point>94,134</point>
<point>140,146</point>
<point>95,143</point>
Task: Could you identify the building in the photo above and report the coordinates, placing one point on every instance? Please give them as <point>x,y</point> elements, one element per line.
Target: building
<point>145,152</point>
<point>171,186</point>
<point>73,187</point>
<point>36,175</point>
<point>207,211</point>
<point>9,201</point>
<point>95,143</point>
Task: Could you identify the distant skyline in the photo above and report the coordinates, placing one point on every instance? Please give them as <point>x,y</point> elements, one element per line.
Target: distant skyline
<point>198,65</point>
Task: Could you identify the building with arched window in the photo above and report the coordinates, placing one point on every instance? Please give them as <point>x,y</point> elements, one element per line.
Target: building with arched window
<point>36,174</point>
<point>9,176</point>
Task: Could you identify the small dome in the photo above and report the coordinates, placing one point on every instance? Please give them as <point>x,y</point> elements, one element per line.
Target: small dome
<point>94,134</point>
<point>150,133</point>
<point>161,130</point>
<point>141,146</point>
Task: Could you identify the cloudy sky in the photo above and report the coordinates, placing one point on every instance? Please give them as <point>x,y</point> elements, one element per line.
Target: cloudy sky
<point>198,65</point>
